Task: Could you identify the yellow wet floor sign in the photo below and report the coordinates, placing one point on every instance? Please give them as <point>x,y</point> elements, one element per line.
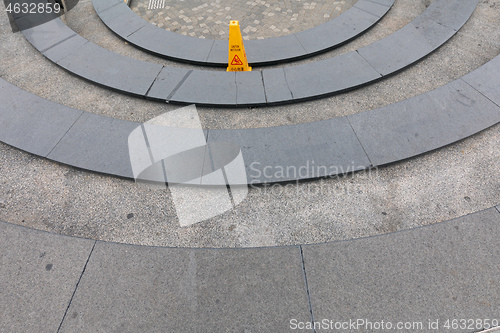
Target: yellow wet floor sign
<point>237,60</point>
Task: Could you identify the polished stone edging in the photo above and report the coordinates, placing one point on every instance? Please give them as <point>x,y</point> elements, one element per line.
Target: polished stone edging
<point>323,148</point>
<point>118,17</point>
<point>419,38</point>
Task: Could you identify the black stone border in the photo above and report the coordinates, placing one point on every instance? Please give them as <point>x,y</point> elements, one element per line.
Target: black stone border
<point>120,19</point>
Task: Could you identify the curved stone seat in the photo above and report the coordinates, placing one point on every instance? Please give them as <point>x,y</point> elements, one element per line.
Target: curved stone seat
<point>416,40</point>
<point>336,32</point>
<point>318,149</point>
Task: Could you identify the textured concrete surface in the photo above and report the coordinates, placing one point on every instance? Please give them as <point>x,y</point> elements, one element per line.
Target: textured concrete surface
<point>444,272</point>
<point>475,44</point>
<point>188,290</point>
<point>427,279</point>
<point>445,184</point>
<point>38,275</point>
<point>258,19</point>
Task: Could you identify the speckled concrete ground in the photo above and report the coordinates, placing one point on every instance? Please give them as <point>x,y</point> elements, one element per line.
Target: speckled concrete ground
<point>258,19</point>
<point>441,185</point>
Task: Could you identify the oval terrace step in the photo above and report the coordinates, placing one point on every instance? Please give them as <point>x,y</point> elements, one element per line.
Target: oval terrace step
<point>324,148</point>
<point>118,17</point>
<point>426,33</point>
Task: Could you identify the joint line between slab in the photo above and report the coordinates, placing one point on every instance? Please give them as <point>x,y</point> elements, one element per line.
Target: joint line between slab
<point>59,42</point>
<point>470,85</point>
<point>360,143</point>
<point>498,208</point>
<point>366,11</point>
<point>307,286</point>
<point>76,287</point>
<point>381,75</point>
<point>172,93</point>
<point>116,4</point>
<point>62,137</point>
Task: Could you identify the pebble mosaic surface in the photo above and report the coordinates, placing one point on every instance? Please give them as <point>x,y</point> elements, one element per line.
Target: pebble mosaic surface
<point>258,18</point>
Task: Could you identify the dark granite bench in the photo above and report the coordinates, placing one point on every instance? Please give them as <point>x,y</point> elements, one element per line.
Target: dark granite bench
<point>338,31</point>
<point>416,40</point>
<point>329,147</point>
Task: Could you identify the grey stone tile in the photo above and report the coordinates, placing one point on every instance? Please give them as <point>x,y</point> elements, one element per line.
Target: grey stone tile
<point>102,5</point>
<point>328,76</point>
<point>219,53</point>
<point>423,123</point>
<point>375,8</point>
<point>250,88</point>
<point>388,3</point>
<point>97,143</point>
<point>272,50</point>
<point>398,50</point>
<point>122,20</point>
<point>435,34</point>
<point>166,82</point>
<point>146,289</point>
<point>486,80</point>
<point>46,35</point>
<point>31,123</point>
<point>444,271</point>
<point>276,86</point>
<point>285,153</point>
<point>39,274</point>
<point>110,69</point>
<point>335,32</point>
<point>159,41</point>
<point>207,88</point>
<point>452,14</point>
<point>61,50</point>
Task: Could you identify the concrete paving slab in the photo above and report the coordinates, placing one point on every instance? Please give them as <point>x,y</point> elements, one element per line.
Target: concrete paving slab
<point>377,9</point>
<point>112,70</point>
<point>102,5</point>
<point>118,18</point>
<point>347,26</point>
<point>273,50</point>
<point>139,289</point>
<point>275,85</point>
<point>97,143</point>
<point>486,80</point>
<point>405,46</point>
<point>442,272</point>
<point>166,82</point>
<point>31,123</point>
<point>451,14</point>
<point>176,46</point>
<point>303,151</point>
<point>207,87</point>
<point>64,48</point>
<point>432,120</point>
<point>250,88</point>
<point>219,53</point>
<point>46,35</point>
<point>324,77</point>
<point>39,274</point>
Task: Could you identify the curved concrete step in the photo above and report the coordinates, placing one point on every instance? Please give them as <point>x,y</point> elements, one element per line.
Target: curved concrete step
<point>57,283</point>
<point>324,148</point>
<point>416,40</point>
<point>118,17</point>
